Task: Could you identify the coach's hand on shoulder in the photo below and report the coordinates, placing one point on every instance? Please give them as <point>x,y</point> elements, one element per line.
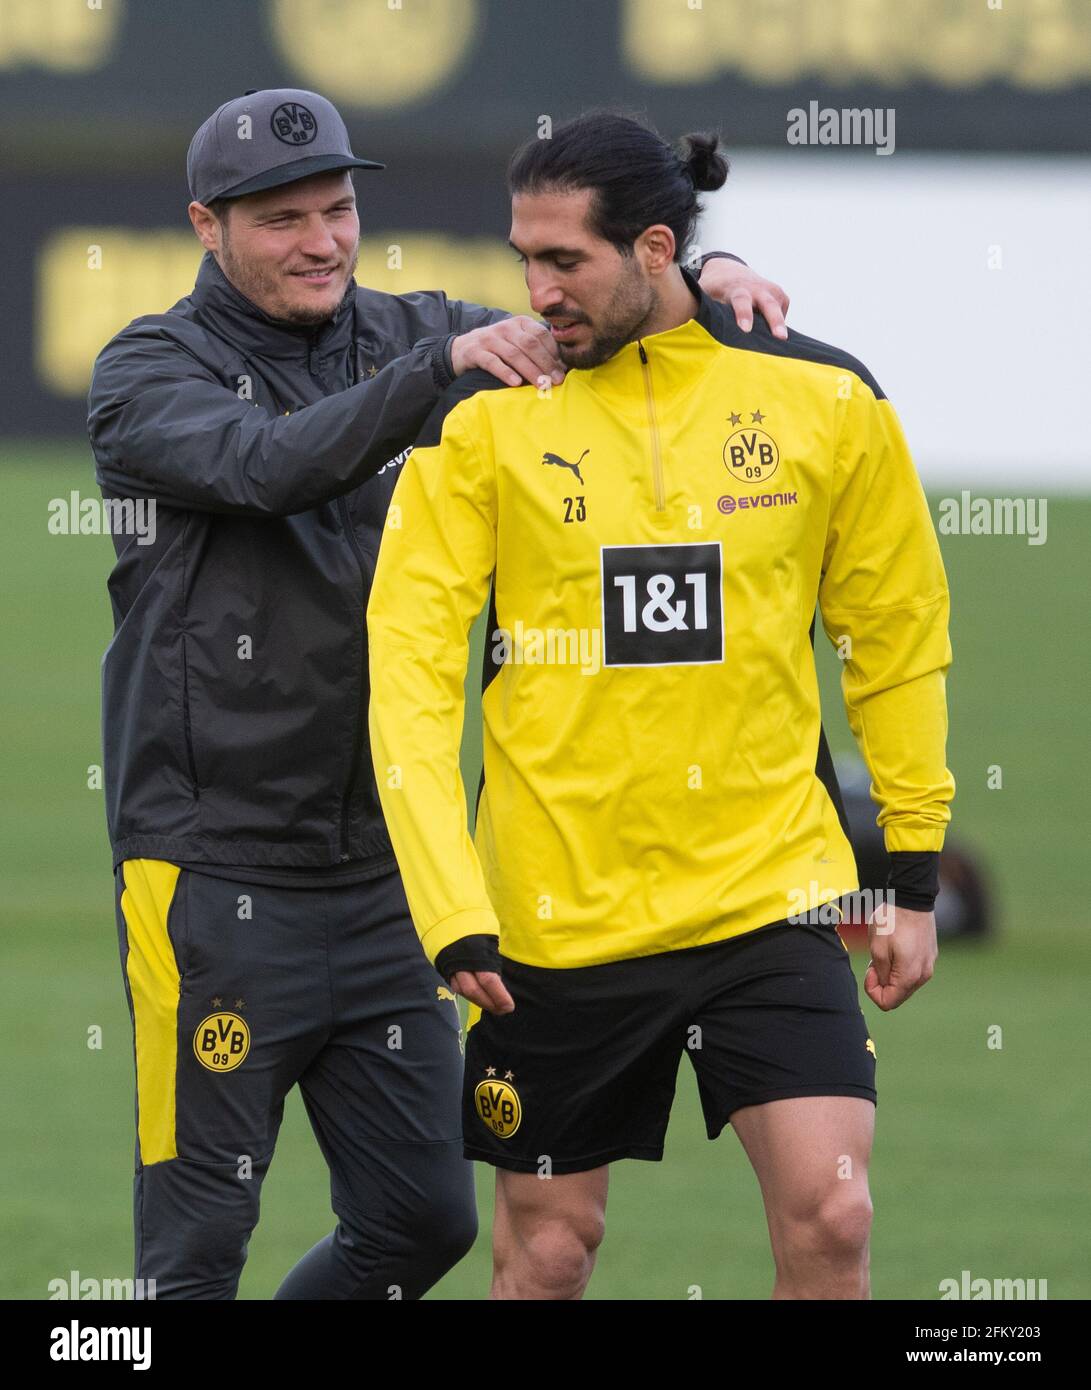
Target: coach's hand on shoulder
<point>745,290</point>
<point>903,954</point>
<point>514,350</point>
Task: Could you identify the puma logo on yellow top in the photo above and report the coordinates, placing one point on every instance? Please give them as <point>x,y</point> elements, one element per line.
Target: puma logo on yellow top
<point>558,462</point>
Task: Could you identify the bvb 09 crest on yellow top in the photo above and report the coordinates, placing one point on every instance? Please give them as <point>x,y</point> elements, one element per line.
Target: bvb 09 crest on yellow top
<point>750,454</point>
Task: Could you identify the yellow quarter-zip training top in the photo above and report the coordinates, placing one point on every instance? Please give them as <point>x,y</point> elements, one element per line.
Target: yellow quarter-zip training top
<point>657,531</point>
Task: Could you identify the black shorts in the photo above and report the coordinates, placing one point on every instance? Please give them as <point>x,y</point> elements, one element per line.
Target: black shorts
<point>583,1072</point>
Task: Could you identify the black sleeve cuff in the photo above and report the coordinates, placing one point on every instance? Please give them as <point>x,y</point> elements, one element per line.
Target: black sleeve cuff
<point>914,879</point>
<point>719,255</point>
<point>440,356</point>
<point>448,365</point>
<point>469,953</point>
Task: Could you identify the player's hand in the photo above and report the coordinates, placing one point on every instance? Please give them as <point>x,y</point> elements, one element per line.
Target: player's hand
<point>484,988</point>
<point>903,954</point>
<point>745,290</point>
<point>514,350</point>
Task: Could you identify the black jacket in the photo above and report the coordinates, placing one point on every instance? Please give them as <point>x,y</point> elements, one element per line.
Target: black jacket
<point>235,687</point>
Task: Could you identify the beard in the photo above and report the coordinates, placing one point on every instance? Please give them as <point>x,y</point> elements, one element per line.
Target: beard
<point>266,288</point>
<point>630,307</point>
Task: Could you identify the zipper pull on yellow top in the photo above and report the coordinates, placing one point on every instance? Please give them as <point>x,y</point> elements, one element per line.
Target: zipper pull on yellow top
<point>653,424</point>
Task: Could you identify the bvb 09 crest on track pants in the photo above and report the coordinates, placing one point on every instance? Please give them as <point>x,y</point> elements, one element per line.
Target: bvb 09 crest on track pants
<point>237,992</point>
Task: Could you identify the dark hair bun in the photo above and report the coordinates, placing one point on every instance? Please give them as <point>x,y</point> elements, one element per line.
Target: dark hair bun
<point>707,167</point>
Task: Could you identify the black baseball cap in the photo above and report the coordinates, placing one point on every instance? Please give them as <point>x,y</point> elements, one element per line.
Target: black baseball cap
<point>265,139</point>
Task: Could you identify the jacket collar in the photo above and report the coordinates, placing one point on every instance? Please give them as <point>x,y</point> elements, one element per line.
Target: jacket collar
<point>231,316</point>
<point>675,358</point>
<point>707,310</point>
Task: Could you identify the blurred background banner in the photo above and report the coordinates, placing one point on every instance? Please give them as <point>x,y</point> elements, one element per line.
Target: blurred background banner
<point>101,98</point>
<point>917,174</point>
<point>118,81</point>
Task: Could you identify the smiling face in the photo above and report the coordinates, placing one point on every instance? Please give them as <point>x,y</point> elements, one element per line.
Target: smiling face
<point>290,250</point>
<point>593,298</point>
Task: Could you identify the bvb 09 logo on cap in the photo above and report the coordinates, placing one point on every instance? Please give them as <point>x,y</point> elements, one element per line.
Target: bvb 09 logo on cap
<point>294,124</point>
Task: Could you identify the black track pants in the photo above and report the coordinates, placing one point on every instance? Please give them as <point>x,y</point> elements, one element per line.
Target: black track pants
<point>238,992</point>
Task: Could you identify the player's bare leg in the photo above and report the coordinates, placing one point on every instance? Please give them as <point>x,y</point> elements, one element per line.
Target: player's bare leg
<point>546,1232</point>
<point>810,1155</point>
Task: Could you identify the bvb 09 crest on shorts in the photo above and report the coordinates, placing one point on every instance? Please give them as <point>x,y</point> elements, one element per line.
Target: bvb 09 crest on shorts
<point>498,1105</point>
<point>221,1041</point>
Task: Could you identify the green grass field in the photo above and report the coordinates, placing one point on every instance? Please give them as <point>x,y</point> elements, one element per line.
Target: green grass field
<point>982,1155</point>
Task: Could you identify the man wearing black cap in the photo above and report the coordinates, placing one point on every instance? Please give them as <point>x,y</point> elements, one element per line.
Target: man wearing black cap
<point>264,931</point>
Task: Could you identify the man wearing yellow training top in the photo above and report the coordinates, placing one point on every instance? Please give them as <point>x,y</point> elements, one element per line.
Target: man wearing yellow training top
<point>659,822</point>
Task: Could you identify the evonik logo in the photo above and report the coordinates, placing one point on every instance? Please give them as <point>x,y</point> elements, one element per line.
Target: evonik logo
<point>728,504</point>
<point>396,461</point>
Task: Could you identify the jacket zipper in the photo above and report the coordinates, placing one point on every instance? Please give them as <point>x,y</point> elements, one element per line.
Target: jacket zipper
<point>657,456</point>
<point>358,736</point>
<point>186,723</point>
